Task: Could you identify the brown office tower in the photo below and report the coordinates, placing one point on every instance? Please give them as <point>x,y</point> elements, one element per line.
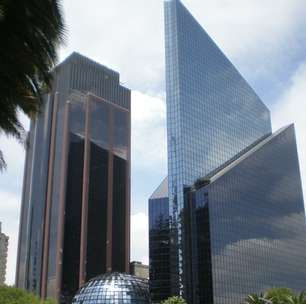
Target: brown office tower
<point>75,217</point>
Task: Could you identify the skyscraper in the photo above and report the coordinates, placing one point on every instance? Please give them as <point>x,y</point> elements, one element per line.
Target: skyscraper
<point>76,194</point>
<point>212,112</point>
<point>213,117</point>
<point>3,255</point>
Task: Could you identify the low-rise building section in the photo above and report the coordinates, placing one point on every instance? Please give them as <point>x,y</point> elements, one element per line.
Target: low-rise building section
<point>139,270</point>
<point>3,255</point>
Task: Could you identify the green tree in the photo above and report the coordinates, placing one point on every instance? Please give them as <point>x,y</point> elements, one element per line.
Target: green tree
<point>256,299</point>
<point>298,299</point>
<point>30,31</point>
<point>11,295</point>
<point>277,296</point>
<point>174,300</point>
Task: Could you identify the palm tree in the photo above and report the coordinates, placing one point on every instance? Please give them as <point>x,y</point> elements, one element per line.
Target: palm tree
<point>298,299</point>
<point>256,299</point>
<point>277,296</point>
<point>30,31</point>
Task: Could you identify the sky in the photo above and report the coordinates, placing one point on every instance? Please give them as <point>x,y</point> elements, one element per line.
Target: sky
<point>266,41</point>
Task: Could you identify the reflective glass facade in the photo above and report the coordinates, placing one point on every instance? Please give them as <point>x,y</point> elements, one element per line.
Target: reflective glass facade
<point>248,225</point>
<point>32,210</point>
<point>112,288</point>
<point>212,114</point>
<point>159,244</point>
<point>75,210</point>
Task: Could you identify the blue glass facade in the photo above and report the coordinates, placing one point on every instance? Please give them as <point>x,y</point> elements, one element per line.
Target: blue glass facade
<point>248,225</point>
<point>159,244</point>
<point>212,114</point>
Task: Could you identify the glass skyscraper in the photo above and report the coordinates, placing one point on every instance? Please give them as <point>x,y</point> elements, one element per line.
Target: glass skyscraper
<point>76,193</point>
<point>214,118</point>
<point>212,112</point>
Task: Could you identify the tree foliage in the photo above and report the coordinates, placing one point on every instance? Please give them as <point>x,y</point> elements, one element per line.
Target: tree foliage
<point>174,300</point>
<point>30,31</point>
<point>11,295</point>
<point>277,296</point>
<point>255,299</point>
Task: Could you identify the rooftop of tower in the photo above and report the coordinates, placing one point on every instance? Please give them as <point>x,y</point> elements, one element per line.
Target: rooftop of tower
<point>179,3</point>
<point>162,190</point>
<point>81,59</point>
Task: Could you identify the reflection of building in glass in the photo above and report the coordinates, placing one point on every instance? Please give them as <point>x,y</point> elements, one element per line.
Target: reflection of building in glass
<point>112,288</point>
<point>159,243</point>
<point>3,255</point>
<point>75,209</point>
<point>139,270</point>
<point>212,114</point>
<point>247,224</point>
<point>213,118</point>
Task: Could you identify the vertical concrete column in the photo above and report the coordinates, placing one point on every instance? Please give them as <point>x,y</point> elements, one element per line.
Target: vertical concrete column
<point>62,199</point>
<point>49,199</point>
<point>83,244</point>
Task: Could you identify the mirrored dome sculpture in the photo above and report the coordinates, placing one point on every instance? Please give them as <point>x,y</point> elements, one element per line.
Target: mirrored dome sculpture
<point>114,288</point>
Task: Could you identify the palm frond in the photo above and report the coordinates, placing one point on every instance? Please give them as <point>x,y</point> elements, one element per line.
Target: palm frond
<point>2,162</point>
<point>30,31</point>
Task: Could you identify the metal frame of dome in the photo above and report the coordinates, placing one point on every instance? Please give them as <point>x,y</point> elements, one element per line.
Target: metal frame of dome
<point>114,288</point>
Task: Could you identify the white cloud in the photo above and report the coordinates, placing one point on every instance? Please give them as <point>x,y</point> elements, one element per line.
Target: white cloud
<point>149,146</point>
<point>10,223</point>
<point>291,109</point>
<point>10,198</point>
<point>125,35</point>
<point>139,238</point>
<point>128,35</point>
<point>253,27</point>
<point>149,154</point>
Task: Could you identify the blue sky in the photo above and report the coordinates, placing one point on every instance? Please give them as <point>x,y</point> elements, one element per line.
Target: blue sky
<point>266,41</point>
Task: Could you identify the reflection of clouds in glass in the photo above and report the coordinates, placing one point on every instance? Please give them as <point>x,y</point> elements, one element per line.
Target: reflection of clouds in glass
<point>291,108</point>
<point>253,265</point>
<point>257,221</point>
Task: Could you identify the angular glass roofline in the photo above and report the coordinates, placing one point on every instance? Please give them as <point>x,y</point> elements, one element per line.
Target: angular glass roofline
<point>77,56</point>
<point>161,191</point>
<point>236,160</point>
<point>178,2</point>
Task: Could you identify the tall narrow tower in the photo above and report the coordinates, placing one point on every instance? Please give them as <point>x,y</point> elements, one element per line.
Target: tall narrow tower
<point>212,114</point>
<point>76,193</point>
<point>213,118</point>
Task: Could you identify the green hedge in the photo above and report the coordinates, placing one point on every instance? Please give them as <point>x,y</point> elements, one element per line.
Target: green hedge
<point>11,295</point>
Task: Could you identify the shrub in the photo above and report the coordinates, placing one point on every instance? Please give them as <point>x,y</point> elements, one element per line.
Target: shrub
<point>11,295</point>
